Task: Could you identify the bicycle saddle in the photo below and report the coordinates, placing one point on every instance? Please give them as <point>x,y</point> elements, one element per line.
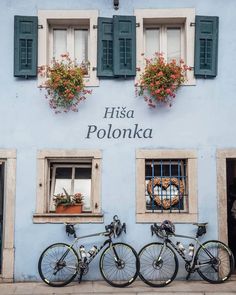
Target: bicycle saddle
<point>200,223</point>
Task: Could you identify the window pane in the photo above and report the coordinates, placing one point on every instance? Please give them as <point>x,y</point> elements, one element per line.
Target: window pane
<point>82,184</point>
<point>63,179</point>
<point>152,42</point>
<point>59,42</point>
<point>81,45</point>
<point>173,44</point>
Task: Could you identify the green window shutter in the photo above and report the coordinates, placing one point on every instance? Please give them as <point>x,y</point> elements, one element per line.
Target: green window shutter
<point>124,45</point>
<point>25,46</point>
<point>206,46</point>
<point>105,47</point>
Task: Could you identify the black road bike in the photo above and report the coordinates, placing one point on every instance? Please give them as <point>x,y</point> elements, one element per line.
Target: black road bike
<point>119,264</point>
<point>213,260</point>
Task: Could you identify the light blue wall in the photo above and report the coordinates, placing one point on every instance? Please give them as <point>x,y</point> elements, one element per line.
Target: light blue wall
<point>201,118</point>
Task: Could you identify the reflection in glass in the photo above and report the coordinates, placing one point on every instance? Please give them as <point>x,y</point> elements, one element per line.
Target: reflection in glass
<point>152,42</point>
<point>173,44</point>
<point>59,42</point>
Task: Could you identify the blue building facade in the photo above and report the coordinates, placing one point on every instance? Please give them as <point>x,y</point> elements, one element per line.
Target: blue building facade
<point>115,145</point>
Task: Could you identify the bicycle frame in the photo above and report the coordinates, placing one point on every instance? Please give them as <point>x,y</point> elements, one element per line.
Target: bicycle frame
<point>108,241</point>
<point>191,263</point>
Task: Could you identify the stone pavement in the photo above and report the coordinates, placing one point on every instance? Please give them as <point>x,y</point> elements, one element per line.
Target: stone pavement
<point>137,288</point>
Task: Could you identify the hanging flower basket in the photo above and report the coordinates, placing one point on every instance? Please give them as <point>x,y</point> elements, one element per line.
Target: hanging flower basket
<point>160,80</point>
<point>64,84</point>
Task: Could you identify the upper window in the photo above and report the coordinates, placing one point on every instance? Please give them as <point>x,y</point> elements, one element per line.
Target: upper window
<point>164,38</point>
<point>65,173</point>
<point>70,39</point>
<point>70,32</point>
<point>169,31</point>
<point>166,185</point>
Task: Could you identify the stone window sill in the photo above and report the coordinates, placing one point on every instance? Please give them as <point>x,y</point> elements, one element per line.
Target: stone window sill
<point>70,218</point>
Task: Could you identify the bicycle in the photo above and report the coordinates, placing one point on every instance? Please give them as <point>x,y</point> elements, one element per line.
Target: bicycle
<point>59,263</point>
<point>213,260</point>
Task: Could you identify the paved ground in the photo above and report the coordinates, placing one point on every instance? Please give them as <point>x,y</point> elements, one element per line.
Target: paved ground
<point>137,288</point>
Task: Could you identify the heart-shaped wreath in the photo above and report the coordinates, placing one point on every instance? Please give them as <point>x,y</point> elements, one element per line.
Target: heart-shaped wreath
<point>164,183</point>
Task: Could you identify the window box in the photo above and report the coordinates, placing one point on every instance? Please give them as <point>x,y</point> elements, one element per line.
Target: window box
<point>71,209</point>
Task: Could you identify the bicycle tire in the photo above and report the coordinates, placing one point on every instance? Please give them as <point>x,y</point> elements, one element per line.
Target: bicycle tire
<point>220,268</point>
<point>49,261</point>
<point>155,273</point>
<point>119,273</point>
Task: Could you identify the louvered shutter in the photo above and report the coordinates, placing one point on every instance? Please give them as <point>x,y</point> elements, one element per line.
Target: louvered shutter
<point>124,45</point>
<point>25,46</point>
<point>105,47</point>
<point>206,46</point>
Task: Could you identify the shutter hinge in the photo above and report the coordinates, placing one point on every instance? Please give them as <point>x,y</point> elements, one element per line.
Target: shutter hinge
<point>40,26</point>
<point>137,25</point>
<point>95,26</point>
<point>94,68</point>
<point>192,24</point>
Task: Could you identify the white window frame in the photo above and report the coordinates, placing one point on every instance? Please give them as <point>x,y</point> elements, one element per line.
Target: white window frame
<point>44,158</point>
<point>47,17</point>
<point>70,30</point>
<point>186,16</point>
<point>145,216</point>
<point>163,37</point>
<point>73,166</point>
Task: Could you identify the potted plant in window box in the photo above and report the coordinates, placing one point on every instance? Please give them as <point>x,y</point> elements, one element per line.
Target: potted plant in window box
<point>160,80</point>
<point>64,84</point>
<point>68,204</point>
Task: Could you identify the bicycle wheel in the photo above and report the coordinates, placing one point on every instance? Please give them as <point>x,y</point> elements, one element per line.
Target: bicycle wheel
<point>58,265</point>
<point>156,270</point>
<point>119,265</point>
<point>215,262</point>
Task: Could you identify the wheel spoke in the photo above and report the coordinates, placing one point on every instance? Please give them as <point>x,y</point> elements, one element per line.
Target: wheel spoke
<point>56,271</point>
<point>216,266</point>
<point>119,269</point>
<point>157,270</point>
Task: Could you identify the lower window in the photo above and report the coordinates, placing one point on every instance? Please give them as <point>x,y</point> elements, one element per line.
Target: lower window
<point>71,178</point>
<point>166,185</point>
<point>68,186</point>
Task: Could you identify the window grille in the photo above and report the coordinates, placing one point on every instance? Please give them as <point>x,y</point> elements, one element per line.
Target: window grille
<point>166,185</point>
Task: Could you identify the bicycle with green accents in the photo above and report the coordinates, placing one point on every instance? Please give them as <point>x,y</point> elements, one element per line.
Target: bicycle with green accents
<point>213,260</point>
<point>60,263</point>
